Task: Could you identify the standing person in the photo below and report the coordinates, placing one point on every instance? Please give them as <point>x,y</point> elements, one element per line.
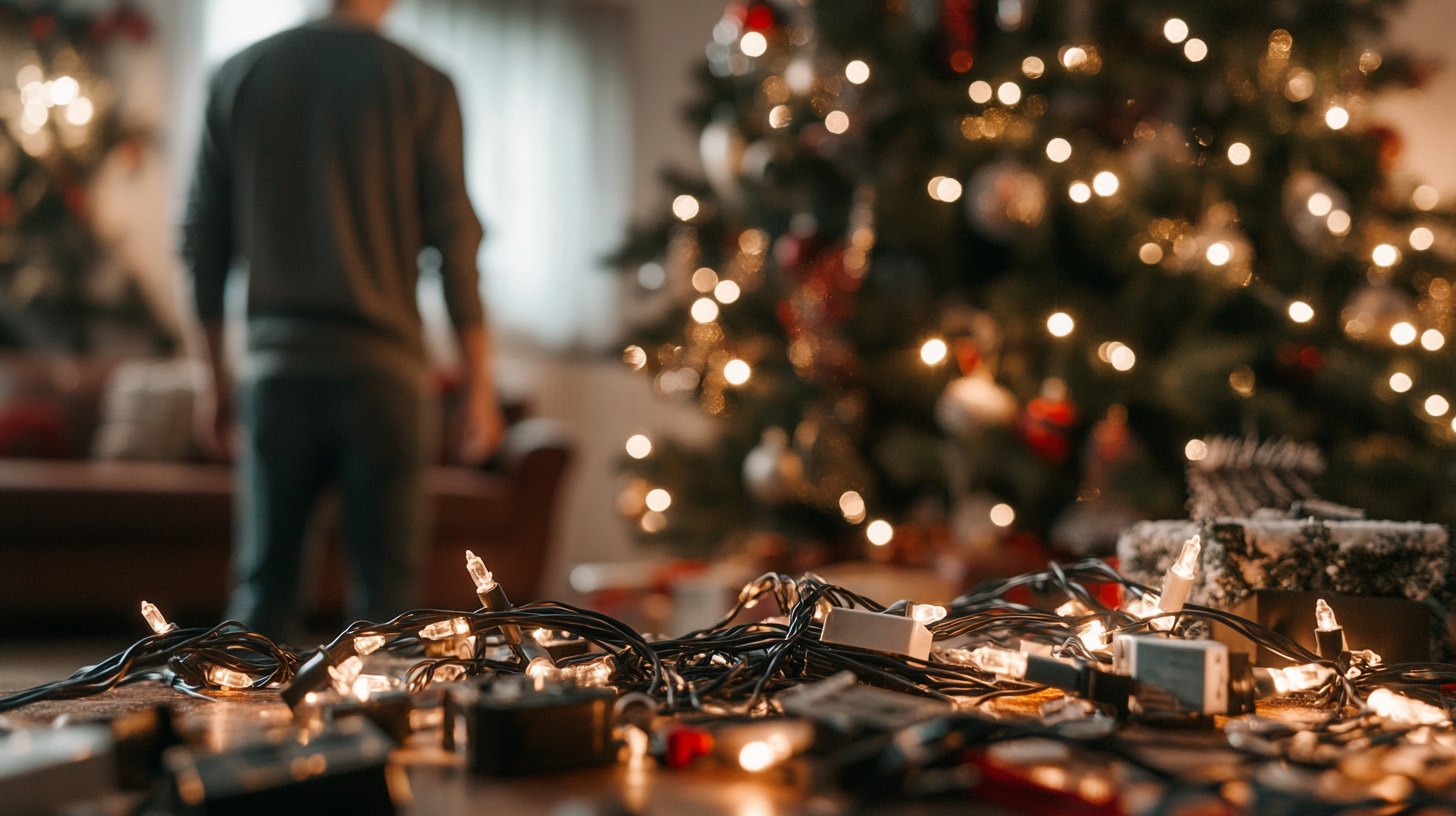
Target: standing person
<point>330,158</point>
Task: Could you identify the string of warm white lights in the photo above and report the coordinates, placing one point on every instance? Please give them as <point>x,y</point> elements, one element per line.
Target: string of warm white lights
<point>1000,648</point>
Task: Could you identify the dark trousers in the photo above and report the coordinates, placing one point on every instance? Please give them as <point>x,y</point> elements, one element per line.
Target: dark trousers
<point>369,433</point>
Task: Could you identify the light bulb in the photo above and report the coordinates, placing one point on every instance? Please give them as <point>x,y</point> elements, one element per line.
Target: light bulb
<point>1009,93</point>
<point>756,756</point>
<point>155,619</point>
<point>1402,709</point>
<point>1175,30</point>
<point>227,678</point>
<point>484,582</point>
<point>1059,150</point>
<point>1337,117</point>
<point>1385,255</point>
<point>446,629</point>
<point>736,372</point>
<point>1308,677</point>
<point>1219,253</point>
<point>1319,204</point>
<point>542,668</point>
<point>1003,515</point>
<point>1421,238</point>
<point>927,613</point>
<point>1080,192</point>
<point>368,644</point>
<point>857,72</point>
<point>685,207</point>
<point>704,310</point>
<point>879,532</point>
<point>366,685</point>
<point>1301,312</point>
<point>1093,635</point>
<point>1324,617</point>
<point>639,446</point>
<point>1403,333</point>
<point>998,661</point>
<point>345,673</point>
<point>1122,358</point>
<point>1060,324</point>
<point>449,673</point>
<point>1105,183</point>
<point>753,44</point>
<point>1239,154</point>
<point>1179,579</point>
<point>1188,558</point>
<point>596,672</point>
<point>933,351</point>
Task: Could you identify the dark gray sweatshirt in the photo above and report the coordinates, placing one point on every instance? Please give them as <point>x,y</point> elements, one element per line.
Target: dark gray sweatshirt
<point>330,157</point>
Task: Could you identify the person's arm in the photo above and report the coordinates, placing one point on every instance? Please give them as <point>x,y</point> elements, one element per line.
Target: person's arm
<point>451,227</point>
<point>213,412</point>
<point>207,249</point>
<point>483,426</point>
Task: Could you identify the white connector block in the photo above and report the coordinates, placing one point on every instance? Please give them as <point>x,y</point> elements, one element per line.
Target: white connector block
<point>877,632</point>
<point>1196,672</point>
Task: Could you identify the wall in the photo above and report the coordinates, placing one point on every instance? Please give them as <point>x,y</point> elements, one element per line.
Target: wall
<point>1426,118</point>
<point>595,394</point>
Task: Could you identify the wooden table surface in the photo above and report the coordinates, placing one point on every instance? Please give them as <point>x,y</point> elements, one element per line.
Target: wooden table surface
<point>440,785</point>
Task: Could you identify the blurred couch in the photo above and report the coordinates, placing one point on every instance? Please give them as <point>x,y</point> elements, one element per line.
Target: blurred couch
<point>83,537</point>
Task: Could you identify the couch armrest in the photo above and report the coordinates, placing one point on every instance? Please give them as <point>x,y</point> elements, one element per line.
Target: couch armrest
<point>535,455</point>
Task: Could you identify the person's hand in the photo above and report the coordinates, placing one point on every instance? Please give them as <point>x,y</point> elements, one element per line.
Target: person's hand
<point>213,423</point>
<point>482,426</point>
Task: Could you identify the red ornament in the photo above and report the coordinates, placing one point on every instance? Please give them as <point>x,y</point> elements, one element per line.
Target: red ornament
<point>42,26</point>
<point>958,30</point>
<point>1390,146</point>
<point>1046,424</point>
<point>687,744</point>
<point>760,18</point>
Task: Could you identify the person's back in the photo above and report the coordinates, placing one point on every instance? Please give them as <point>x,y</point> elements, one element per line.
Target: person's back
<point>334,139</point>
<point>330,157</point>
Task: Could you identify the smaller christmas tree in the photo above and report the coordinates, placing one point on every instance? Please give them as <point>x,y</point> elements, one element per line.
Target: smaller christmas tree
<point>60,289</point>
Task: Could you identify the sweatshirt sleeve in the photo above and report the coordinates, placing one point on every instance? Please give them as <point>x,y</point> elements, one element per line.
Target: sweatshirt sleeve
<point>207,228</point>
<point>450,223</point>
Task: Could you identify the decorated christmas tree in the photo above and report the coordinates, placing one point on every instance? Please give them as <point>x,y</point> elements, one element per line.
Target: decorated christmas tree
<point>961,273</point>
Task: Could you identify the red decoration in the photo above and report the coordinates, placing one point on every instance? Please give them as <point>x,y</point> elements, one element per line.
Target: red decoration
<point>760,18</point>
<point>42,26</point>
<point>1046,426</point>
<point>1390,146</point>
<point>815,308</point>
<point>958,29</point>
<point>33,428</point>
<point>687,744</point>
<point>967,354</point>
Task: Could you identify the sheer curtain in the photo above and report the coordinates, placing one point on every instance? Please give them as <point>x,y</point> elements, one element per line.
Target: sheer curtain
<point>544,87</point>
